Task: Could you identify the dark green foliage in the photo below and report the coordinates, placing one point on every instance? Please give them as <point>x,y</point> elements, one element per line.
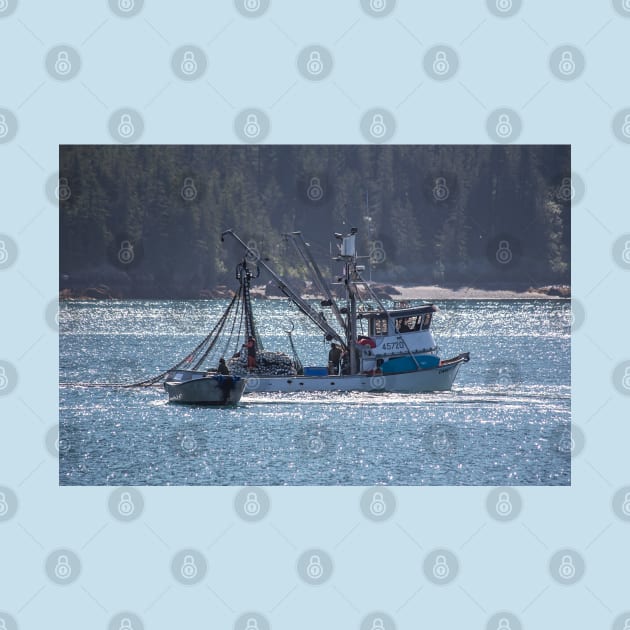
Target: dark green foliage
<point>394,195</point>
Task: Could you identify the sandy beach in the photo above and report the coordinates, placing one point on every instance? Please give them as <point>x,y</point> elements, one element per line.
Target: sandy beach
<point>434,292</point>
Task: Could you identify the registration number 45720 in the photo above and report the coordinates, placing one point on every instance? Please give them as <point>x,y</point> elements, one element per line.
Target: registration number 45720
<point>393,345</point>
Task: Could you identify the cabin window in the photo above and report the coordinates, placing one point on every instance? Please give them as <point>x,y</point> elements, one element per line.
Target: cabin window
<point>378,326</point>
<point>405,324</point>
<point>427,321</point>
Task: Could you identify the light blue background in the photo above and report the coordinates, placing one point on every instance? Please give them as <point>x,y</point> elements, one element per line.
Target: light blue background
<point>503,62</point>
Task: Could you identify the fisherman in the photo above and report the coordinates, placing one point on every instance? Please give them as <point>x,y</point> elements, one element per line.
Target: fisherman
<point>404,326</point>
<point>223,368</point>
<point>251,353</point>
<point>334,357</point>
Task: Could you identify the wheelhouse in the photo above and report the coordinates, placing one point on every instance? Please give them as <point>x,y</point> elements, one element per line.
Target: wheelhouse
<point>398,321</point>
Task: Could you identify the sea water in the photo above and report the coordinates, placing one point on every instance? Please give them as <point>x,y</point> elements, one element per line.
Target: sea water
<point>505,422</point>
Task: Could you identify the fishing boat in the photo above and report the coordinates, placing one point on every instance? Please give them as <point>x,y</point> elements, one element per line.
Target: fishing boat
<point>373,348</point>
<point>200,388</point>
<point>380,349</point>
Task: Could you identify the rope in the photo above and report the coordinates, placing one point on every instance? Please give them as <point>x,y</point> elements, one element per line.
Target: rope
<point>210,338</point>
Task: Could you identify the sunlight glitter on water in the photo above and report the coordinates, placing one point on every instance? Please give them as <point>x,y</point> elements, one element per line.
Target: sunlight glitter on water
<point>504,422</point>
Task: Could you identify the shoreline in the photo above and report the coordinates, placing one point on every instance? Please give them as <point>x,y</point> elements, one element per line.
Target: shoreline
<point>383,291</point>
<point>436,292</point>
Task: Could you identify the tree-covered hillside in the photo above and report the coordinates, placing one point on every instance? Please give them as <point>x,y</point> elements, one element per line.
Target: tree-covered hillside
<point>147,220</point>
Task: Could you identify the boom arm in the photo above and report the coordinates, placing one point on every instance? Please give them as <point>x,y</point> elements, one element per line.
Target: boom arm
<point>307,309</point>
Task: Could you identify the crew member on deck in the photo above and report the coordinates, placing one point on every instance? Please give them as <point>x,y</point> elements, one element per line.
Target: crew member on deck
<point>334,357</point>
<point>223,368</point>
<point>251,353</point>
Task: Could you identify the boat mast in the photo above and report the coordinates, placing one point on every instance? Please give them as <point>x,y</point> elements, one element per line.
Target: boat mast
<point>348,254</point>
<point>244,275</point>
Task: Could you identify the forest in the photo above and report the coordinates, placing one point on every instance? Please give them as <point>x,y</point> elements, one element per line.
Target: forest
<point>146,221</point>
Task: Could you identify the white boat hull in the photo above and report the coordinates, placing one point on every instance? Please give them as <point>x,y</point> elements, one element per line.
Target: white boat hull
<point>437,379</point>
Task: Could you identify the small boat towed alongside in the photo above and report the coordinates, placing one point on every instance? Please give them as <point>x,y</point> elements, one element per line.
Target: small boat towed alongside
<point>199,388</point>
